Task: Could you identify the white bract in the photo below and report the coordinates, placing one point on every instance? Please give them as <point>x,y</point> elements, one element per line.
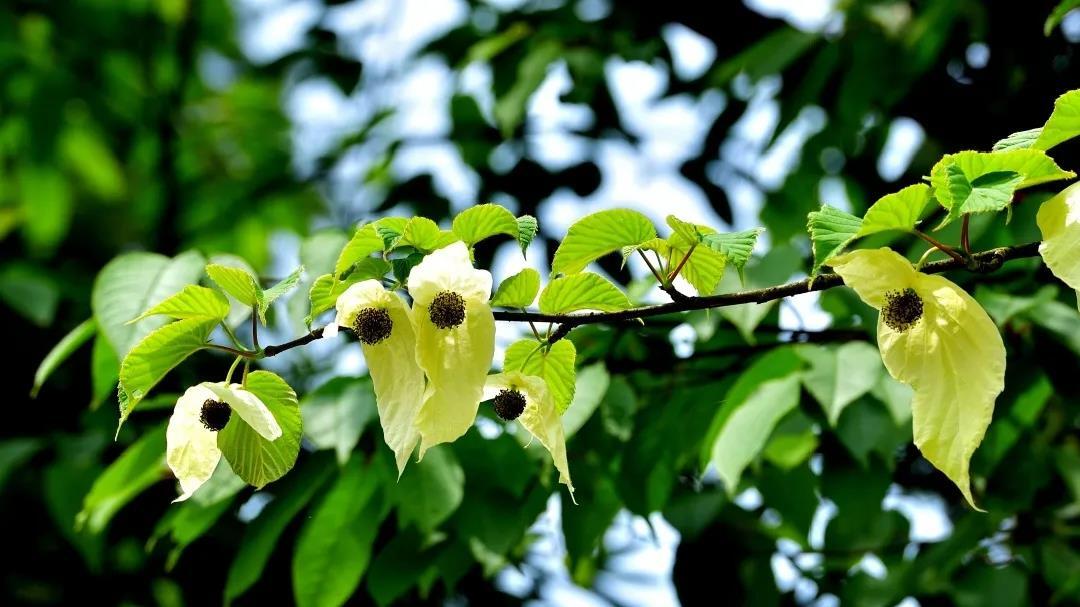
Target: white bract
<point>383,323</point>
<point>455,341</point>
<point>540,416</point>
<point>191,439</point>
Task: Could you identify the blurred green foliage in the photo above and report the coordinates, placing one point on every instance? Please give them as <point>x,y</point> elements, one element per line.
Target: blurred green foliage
<point>112,139</point>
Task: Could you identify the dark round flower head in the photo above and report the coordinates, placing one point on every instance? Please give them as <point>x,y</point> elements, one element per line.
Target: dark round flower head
<point>215,414</point>
<point>372,325</point>
<point>902,310</point>
<point>509,404</point>
<point>447,310</point>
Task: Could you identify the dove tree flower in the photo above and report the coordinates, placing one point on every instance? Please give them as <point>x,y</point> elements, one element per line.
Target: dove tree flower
<point>455,341</point>
<point>201,413</point>
<point>934,337</point>
<point>526,398</point>
<point>383,323</point>
<point>1059,221</point>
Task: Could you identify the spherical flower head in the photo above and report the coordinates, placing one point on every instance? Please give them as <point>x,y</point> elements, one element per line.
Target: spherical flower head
<point>538,414</point>
<point>201,413</point>
<point>1059,222</point>
<point>455,341</point>
<point>934,337</point>
<point>383,323</point>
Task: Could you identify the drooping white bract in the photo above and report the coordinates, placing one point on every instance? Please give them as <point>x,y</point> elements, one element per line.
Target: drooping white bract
<point>540,416</point>
<point>384,325</point>
<point>455,341</point>
<point>191,440</point>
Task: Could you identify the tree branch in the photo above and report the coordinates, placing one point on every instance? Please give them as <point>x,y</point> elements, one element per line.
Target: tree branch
<point>980,263</point>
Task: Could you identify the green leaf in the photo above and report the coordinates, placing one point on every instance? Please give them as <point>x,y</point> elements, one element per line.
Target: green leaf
<point>1018,140</point>
<point>253,458</point>
<point>365,242</point>
<point>336,414</point>
<point>141,465</point>
<point>238,310</point>
<point>190,520</point>
<point>390,230</point>
<point>585,291</point>
<point>748,425</point>
<point>1063,124</point>
<point>430,490</point>
<point>897,211</point>
<point>104,371</point>
<point>484,221</point>
<point>192,302</point>
<point>153,357</point>
<point>518,291</point>
<point>767,56</point>
<point>526,231</point>
<point>133,282</point>
<point>1033,165</point>
<point>830,231</point>
<point>261,536</point>
<point>237,282</point>
<point>989,192</point>
<point>736,247</point>
<point>61,351</point>
<point>596,235</point>
<point>425,235</point>
<point>13,453</point>
<point>1058,15</point>
<point>705,266</point>
<point>555,365</point>
<point>334,547</point>
<point>839,376</point>
<point>270,295</point>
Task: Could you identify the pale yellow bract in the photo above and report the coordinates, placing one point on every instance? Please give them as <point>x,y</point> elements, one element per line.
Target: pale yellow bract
<point>395,374</point>
<point>953,357</point>
<point>456,359</point>
<point>1059,221</point>
<point>540,417</point>
<point>191,448</point>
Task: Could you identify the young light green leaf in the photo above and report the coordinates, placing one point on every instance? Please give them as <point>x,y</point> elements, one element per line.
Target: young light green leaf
<point>325,290</point>
<point>61,351</point>
<point>1064,122</point>
<point>684,232</point>
<point>484,221</point>
<point>838,376</point>
<point>334,547</point>
<point>526,231</point>
<point>261,535</point>
<point>133,282</point>
<point>736,247</point>
<point>518,291</point>
<point>555,365</point>
<point>897,211</point>
<point>239,311</point>
<point>830,231</point>
<point>365,242</point>
<point>989,192</point>
<point>1018,140</point>
<point>424,235</point>
<point>390,230</point>
<point>192,301</point>
<point>141,465</point>
<point>267,297</point>
<point>596,235</point>
<point>430,490</point>
<point>747,426</point>
<point>153,357</point>
<point>237,282</point>
<point>704,267</point>
<point>585,291</point>
<point>1034,166</point>
<point>252,457</point>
